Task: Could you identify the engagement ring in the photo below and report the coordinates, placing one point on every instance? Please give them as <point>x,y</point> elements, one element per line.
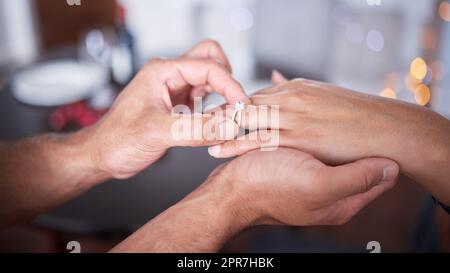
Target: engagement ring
<point>238,108</point>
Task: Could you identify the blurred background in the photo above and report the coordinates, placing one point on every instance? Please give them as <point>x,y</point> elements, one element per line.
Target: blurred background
<point>62,62</point>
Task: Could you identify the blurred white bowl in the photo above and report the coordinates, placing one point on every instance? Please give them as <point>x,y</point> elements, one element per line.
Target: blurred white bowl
<point>58,83</point>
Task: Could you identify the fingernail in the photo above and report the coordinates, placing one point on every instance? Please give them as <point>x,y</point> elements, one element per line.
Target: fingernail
<point>389,173</point>
<point>214,150</point>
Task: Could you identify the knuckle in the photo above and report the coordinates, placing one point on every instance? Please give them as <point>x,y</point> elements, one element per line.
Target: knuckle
<point>211,43</point>
<point>214,65</point>
<point>301,81</point>
<point>297,96</point>
<point>298,89</point>
<point>155,62</point>
<point>215,68</point>
<point>368,179</point>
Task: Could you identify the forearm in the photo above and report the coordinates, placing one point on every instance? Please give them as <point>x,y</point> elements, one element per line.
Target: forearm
<point>420,143</point>
<point>40,173</point>
<point>203,222</point>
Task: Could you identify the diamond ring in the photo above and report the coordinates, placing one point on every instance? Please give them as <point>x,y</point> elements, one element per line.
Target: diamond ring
<point>238,108</point>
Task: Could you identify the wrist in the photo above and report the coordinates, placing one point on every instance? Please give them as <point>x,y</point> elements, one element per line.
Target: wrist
<point>226,210</point>
<point>398,131</point>
<point>74,151</point>
<point>229,202</point>
<point>417,139</point>
<point>202,222</point>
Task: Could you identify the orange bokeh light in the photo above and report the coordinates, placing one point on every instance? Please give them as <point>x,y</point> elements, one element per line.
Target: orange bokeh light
<point>422,95</point>
<point>419,68</point>
<point>437,67</point>
<point>388,93</point>
<point>429,39</point>
<point>392,80</point>
<point>444,11</point>
<point>411,82</point>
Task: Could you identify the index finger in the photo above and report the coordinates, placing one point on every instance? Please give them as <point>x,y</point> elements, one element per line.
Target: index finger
<point>209,49</point>
<point>181,73</point>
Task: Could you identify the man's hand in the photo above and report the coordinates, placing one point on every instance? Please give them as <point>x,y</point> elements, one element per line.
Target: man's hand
<point>339,126</point>
<point>291,187</point>
<point>286,187</point>
<point>137,130</point>
<point>41,173</point>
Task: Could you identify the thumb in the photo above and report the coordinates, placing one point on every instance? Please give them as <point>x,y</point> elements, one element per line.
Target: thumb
<point>358,177</point>
<point>198,130</point>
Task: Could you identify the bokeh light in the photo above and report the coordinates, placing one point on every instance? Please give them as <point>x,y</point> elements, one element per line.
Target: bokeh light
<point>428,78</point>
<point>375,40</point>
<point>429,39</point>
<point>388,93</point>
<point>422,94</point>
<point>241,19</point>
<point>341,15</point>
<point>373,2</point>
<point>444,11</point>
<point>438,69</point>
<point>392,80</point>
<point>419,69</point>
<point>411,82</point>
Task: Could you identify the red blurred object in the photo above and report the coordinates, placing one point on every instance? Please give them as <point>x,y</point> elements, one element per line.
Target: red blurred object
<point>79,114</point>
<point>120,15</point>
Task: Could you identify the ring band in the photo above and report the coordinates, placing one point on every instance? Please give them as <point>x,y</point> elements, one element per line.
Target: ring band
<point>238,108</point>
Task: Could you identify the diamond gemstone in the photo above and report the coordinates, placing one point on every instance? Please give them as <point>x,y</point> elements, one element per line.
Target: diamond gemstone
<point>240,106</point>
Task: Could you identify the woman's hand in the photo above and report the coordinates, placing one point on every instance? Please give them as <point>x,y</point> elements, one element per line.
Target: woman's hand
<point>138,129</point>
<point>338,126</point>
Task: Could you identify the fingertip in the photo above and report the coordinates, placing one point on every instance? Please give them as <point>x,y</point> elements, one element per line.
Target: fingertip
<point>215,151</point>
<point>240,98</point>
<point>277,77</point>
<point>390,172</point>
<point>241,95</point>
<point>387,168</point>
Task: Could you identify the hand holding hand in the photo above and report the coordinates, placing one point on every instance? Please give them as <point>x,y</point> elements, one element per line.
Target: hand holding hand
<point>285,187</point>
<point>337,126</point>
<point>293,188</point>
<point>137,130</point>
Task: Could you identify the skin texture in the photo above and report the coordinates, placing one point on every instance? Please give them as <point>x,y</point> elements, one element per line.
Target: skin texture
<point>137,130</point>
<point>338,126</point>
<point>43,172</point>
<point>251,190</point>
<point>286,187</point>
